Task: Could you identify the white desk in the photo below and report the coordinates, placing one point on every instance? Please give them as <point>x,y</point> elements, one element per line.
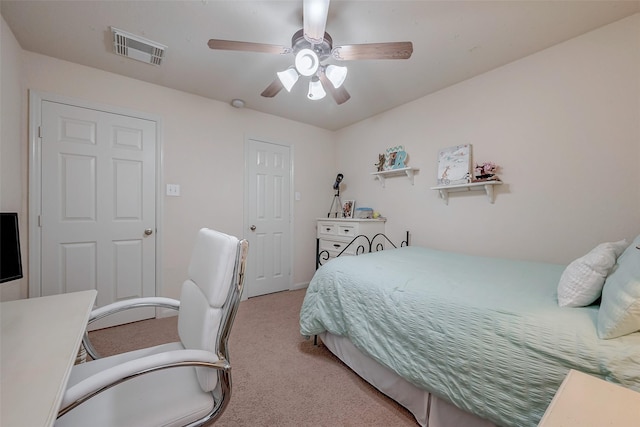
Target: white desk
<point>586,401</point>
<point>40,340</point>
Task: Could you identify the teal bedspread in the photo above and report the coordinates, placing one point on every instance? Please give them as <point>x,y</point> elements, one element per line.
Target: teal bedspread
<point>484,333</point>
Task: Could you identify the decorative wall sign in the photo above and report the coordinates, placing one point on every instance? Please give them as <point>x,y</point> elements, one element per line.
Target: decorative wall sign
<point>454,165</point>
<point>395,158</point>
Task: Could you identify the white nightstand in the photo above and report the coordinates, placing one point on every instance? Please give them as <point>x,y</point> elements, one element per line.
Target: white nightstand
<point>335,234</point>
<point>586,401</point>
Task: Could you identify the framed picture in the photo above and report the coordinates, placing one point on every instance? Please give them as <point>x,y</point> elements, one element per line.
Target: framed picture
<point>348,207</point>
<point>454,165</point>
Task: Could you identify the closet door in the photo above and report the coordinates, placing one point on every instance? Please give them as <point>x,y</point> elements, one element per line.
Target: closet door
<point>268,220</point>
<point>98,218</point>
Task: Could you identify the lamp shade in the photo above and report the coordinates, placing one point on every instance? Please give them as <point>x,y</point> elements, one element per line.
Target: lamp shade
<point>336,75</point>
<point>288,78</point>
<point>316,91</point>
<point>307,62</point>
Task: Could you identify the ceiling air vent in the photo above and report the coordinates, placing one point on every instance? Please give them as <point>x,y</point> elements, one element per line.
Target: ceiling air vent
<point>135,47</point>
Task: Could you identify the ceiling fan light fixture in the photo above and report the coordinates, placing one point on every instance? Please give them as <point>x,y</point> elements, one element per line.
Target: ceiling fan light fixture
<point>336,74</point>
<point>307,62</point>
<point>316,91</point>
<point>288,78</point>
<point>314,16</point>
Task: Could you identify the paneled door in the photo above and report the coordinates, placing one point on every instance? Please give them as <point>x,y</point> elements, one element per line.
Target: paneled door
<point>268,217</point>
<point>98,218</point>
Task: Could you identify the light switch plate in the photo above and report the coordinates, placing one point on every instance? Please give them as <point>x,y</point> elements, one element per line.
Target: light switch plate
<point>173,190</point>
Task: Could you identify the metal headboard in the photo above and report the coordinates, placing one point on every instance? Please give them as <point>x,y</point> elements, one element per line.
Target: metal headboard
<point>375,244</point>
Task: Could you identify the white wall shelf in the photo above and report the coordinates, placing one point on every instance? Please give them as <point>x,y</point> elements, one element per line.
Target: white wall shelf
<point>486,186</point>
<point>382,175</point>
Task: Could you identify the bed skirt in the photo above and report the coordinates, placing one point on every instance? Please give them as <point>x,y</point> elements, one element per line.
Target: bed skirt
<point>428,410</point>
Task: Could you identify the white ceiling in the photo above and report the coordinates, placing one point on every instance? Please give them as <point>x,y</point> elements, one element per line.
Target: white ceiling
<point>452,40</point>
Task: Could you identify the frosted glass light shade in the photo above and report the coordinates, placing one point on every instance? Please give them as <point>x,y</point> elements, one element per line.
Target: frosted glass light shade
<point>307,62</point>
<point>336,75</point>
<point>316,91</point>
<point>288,78</point>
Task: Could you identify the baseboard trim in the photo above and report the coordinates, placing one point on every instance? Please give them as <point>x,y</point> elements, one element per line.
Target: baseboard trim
<point>299,286</point>
<point>162,312</point>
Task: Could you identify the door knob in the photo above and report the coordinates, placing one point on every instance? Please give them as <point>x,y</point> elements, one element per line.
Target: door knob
<point>252,228</point>
<point>148,231</point>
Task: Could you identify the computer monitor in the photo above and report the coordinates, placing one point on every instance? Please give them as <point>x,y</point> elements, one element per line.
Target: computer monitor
<point>10,260</point>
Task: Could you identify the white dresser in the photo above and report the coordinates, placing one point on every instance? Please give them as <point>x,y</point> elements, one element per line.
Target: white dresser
<point>335,234</point>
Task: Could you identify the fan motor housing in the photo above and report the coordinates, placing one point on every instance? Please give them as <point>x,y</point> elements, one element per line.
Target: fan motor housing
<point>323,50</point>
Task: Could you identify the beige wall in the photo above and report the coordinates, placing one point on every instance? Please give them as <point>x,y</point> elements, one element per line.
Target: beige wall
<point>562,123</point>
<point>203,151</point>
<point>13,154</point>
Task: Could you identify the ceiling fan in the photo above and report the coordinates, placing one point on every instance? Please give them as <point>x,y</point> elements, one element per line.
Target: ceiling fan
<point>311,47</point>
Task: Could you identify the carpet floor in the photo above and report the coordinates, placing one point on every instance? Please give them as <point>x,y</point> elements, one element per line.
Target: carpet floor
<point>279,378</point>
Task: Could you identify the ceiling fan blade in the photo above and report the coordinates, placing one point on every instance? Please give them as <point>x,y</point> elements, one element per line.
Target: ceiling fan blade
<point>392,50</point>
<point>314,19</point>
<point>340,95</point>
<point>248,46</point>
<point>273,89</point>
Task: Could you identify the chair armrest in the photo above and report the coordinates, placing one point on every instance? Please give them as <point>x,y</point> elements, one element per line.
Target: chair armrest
<point>123,305</point>
<point>115,375</point>
<point>128,304</point>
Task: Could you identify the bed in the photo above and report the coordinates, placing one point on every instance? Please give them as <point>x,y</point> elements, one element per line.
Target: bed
<point>459,339</point>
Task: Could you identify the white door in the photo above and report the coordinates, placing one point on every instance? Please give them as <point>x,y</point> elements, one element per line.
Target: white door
<point>268,218</point>
<point>98,218</point>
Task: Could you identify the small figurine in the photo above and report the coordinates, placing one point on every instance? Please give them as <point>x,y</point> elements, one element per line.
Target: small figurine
<point>380,164</point>
<point>486,172</point>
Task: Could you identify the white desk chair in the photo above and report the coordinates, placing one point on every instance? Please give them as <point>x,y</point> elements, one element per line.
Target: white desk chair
<point>187,383</point>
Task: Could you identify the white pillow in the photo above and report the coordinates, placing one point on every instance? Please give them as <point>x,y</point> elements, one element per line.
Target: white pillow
<point>619,312</point>
<point>582,281</point>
